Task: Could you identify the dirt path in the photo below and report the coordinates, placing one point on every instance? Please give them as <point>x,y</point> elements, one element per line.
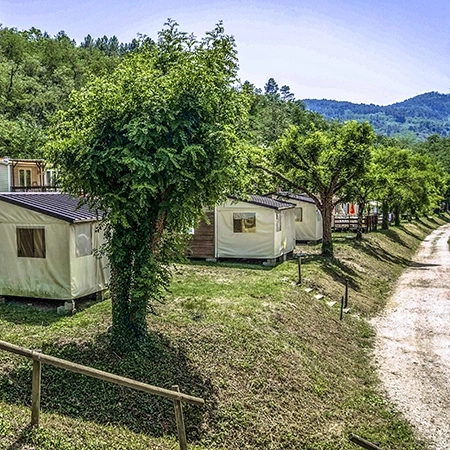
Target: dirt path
<point>413,341</point>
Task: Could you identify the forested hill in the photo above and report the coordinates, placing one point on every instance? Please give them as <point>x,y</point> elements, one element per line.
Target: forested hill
<point>419,116</point>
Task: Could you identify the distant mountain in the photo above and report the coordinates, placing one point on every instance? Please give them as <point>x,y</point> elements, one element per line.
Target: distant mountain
<point>419,116</point>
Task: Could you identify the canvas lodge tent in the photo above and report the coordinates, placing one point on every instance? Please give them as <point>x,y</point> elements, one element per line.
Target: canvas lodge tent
<point>257,228</point>
<point>47,247</point>
<point>5,176</point>
<point>308,219</point>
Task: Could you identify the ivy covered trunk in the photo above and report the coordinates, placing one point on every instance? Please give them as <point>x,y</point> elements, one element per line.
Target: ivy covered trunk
<point>128,256</point>
<point>138,276</point>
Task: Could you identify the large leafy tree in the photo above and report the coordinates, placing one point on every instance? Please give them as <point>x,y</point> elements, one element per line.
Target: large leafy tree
<point>37,74</point>
<point>408,182</point>
<point>150,145</point>
<point>321,163</point>
<point>274,111</point>
<point>439,148</point>
<point>362,190</point>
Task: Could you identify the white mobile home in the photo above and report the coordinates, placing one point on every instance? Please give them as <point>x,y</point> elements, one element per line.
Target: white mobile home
<point>258,228</point>
<point>47,247</point>
<point>308,219</point>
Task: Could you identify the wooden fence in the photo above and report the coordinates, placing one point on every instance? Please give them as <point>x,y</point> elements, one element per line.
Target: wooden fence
<point>39,358</point>
<point>350,223</point>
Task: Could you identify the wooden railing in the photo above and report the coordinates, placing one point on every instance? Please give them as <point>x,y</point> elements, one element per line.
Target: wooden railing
<point>33,188</point>
<point>350,223</point>
<point>40,358</point>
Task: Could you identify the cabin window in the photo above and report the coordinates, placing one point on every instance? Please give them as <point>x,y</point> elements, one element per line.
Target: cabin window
<point>278,220</point>
<point>298,214</point>
<point>83,239</point>
<point>30,242</point>
<point>24,177</point>
<point>244,222</point>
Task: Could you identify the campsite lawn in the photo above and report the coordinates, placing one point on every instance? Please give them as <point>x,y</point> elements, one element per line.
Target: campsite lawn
<point>275,365</point>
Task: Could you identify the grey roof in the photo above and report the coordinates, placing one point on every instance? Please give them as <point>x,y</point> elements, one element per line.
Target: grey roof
<point>267,202</point>
<point>290,195</point>
<point>54,204</point>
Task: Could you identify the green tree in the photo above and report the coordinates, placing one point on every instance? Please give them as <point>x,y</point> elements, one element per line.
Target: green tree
<point>37,74</point>
<point>438,147</point>
<point>321,163</point>
<point>408,183</point>
<point>286,94</point>
<point>362,190</point>
<point>151,145</point>
<point>271,115</point>
<point>271,88</point>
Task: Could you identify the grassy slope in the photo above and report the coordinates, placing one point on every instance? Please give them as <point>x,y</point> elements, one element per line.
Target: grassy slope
<point>277,368</point>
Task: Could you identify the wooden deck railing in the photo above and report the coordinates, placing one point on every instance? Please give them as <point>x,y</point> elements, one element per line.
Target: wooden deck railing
<point>40,358</point>
<point>35,188</point>
<point>350,223</point>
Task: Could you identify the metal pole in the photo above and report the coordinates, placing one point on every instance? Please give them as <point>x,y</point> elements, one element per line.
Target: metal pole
<point>342,308</point>
<point>346,293</point>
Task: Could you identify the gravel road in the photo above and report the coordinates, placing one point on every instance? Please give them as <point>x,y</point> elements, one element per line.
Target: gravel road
<point>412,348</point>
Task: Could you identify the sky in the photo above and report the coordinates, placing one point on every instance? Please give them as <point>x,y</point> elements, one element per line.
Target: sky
<point>377,51</point>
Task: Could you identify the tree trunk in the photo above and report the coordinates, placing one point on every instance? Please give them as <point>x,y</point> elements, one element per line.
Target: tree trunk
<point>327,239</point>
<point>359,227</point>
<point>128,258</point>
<point>385,212</point>
<point>397,216</point>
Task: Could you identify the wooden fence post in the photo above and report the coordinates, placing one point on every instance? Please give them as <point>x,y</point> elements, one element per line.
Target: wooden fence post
<point>36,393</point>
<point>180,420</point>
<point>363,443</point>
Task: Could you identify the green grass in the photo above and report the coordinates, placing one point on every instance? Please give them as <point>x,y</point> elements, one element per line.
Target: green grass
<point>276,367</point>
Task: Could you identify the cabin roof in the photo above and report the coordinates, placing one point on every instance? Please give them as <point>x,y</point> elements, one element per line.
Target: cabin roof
<point>54,204</point>
<point>290,195</point>
<point>267,202</point>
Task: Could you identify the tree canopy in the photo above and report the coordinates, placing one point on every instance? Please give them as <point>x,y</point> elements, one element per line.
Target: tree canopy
<point>151,145</point>
<point>321,163</point>
<point>37,74</point>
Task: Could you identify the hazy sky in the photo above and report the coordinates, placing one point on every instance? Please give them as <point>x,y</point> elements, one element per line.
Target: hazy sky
<point>377,51</point>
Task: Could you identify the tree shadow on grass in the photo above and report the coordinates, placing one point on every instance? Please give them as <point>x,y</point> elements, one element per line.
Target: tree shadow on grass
<point>337,270</point>
<point>409,233</point>
<point>376,251</point>
<point>394,237</point>
<point>159,362</point>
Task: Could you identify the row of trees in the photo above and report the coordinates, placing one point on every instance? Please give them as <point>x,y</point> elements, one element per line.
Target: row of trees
<point>152,135</point>
<point>37,75</point>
